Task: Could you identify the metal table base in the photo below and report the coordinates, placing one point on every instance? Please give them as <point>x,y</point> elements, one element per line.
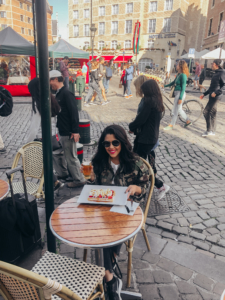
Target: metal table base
<point>125,295</point>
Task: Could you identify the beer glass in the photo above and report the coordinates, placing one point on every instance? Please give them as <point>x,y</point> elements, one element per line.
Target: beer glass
<point>87,169</point>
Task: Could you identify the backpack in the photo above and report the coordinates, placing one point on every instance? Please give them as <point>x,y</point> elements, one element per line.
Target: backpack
<point>109,72</point>
<point>6,102</point>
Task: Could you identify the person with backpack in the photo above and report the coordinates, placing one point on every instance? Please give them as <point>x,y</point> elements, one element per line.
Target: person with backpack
<point>108,76</point>
<point>6,106</point>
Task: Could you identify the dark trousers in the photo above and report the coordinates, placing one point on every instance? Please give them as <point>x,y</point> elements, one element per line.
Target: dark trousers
<point>124,88</point>
<point>108,254</point>
<point>210,113</point>
<point>145,151</point>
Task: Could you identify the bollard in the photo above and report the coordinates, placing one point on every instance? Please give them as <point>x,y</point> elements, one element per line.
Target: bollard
<point>84,131</point>
<point>80,152</point>
<point>78,100</point>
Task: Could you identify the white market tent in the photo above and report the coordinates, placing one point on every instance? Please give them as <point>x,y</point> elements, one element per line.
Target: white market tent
<point>215,54</point>
<point>200,54</point>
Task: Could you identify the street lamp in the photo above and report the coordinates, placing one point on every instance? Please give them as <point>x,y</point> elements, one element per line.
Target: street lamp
<point>93,30</point>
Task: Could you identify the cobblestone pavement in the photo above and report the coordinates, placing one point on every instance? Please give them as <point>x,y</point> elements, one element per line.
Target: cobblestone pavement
<point>187,258</point>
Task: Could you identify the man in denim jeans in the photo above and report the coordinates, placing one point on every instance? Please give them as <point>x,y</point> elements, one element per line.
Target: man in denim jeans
<point>129,77</point>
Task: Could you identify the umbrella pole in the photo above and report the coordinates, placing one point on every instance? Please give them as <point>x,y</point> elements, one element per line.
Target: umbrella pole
<point>35,41</point>
<point>43,55</point>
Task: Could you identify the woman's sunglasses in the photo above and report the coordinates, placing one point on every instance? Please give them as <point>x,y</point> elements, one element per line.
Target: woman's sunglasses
<point>107,144</point>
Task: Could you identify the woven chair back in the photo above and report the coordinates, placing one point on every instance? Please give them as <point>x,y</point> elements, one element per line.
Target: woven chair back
<point>32,160</point>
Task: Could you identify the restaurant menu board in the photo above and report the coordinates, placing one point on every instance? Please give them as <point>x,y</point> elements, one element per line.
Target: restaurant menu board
<point>14,70</point>
<point>119,196</point>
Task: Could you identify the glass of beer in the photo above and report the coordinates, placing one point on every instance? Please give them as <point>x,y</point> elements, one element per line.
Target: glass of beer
<point>87,169</point>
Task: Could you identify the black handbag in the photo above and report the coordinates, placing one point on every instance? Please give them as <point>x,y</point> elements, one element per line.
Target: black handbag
<point>56,143</point>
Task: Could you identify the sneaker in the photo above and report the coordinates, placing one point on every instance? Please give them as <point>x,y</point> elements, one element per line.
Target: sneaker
<point>187,124</point>
<point>108,101</point>
<point>75,184</point>
<point>3,150</point>
<point>114,289</point>
<point>125,95</point>
<point>86,105</point>
<point>207,133</point>
<point>168,128</point>
<point>212,133</point>
<point>162,191</point>
<point>104,103</point>
<point>130,96</point>
<point>92,103</point>
<point>58,186</point>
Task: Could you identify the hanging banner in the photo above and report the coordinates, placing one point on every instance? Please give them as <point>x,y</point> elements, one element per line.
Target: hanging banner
<point>136,37</point>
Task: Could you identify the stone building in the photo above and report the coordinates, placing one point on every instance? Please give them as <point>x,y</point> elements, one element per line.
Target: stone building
<point>18,15</point>
<point>168,27</point>
<point>216,14</point>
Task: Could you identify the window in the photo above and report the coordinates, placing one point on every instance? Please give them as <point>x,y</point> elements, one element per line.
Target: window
<point>2,1</point>
<point>86,30</point>
<point>76,30</point>
<point>115,27</point>
<point>213,3</point>
<point>29,31</point>
<point>129,8</point>
<point>22,30</point>
<point>3,14</point>
<point>29,20</point>
<point>28,7</point>
<point>115,9</point>
<point>114,44</point>
<point>76,14</point>
<point>220,20</point>
<point>3,26</point>
<point>150,44</point>
<point>21,18</point>
<point>86,1</point>
<point>168,4</point>
<point>86,45</point>
<point>129,26</point>
<point>75,1</point>
<point>86,14</point>
<point>210,27</point>
<point>127,44</point>
<point>102,28</point>
<point>167,25</point>
<point>153,6</point>
<point>151,25</point>
<point>101,10</point>
<point>21,5</point>
<point>101,45</point>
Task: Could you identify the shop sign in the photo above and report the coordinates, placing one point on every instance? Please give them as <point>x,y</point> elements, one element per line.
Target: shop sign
<point>162,36</point>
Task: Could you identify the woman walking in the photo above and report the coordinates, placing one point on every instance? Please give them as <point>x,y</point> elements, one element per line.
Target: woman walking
<point>123,80</point>
<point>146,126</point>
<point>179,91</point>
<point>215,95</point>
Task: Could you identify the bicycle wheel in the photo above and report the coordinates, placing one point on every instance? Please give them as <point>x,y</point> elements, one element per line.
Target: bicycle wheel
<point>193,109</point>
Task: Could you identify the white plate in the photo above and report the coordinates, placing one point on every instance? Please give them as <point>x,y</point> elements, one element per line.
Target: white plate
<point>119,199</point>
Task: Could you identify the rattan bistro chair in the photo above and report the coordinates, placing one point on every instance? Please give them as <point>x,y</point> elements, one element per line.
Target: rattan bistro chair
<point>32,161</point>
<point>53,277</point>
<point>130,243</point>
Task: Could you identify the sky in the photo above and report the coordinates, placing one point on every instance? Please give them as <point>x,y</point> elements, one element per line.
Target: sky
<point>61,7</point>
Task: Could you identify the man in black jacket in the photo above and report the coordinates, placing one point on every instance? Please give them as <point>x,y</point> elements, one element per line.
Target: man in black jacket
<point>215,94</point>
<point>68,124</point>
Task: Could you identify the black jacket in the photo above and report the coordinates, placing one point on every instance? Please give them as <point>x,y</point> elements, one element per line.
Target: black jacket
<point>217,83</point>
<point>34,89</point>
<point>146,124</point>
<point>68,117</point>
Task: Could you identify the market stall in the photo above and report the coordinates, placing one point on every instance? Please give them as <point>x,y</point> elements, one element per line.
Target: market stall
<point>17,62</point>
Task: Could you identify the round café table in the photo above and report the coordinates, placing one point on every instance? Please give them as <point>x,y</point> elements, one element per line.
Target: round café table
<point>4,189</point>
<point>94,226</point>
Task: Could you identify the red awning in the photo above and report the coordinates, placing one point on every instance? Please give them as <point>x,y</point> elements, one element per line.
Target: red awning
<point>120,58</point>
<point>94,56</point>
<point>107,57</point>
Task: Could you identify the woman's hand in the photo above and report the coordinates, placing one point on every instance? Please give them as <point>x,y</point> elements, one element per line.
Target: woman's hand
<point>213,95</point>
<point>201,97</point>
<point>179,102</point>
<point>132,190</point>
<point>130,132</point>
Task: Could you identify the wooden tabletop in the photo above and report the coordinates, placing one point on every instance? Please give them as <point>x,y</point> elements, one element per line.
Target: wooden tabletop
<point>4,189</point>
<point>93,226</point>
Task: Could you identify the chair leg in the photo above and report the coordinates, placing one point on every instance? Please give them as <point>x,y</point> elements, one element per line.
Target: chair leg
<point>146,239</point>
<point>129,265</point>
<point>101,287</point>
<point>85,255</point>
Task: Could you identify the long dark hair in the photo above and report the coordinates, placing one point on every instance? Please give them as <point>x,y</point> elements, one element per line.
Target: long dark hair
<point>152,93</point>
<point>100,161</point>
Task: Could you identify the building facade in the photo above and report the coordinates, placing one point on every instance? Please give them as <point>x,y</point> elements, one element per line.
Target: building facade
<point>216,14</point>
<point>18,15</point>
<point>168,27</point>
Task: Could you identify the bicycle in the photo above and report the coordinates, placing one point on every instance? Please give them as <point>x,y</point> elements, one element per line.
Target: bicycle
<point>193,108</point>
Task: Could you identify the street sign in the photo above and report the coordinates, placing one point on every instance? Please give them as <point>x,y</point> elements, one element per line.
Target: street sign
<point>221,37</point>
<point>191,53</point>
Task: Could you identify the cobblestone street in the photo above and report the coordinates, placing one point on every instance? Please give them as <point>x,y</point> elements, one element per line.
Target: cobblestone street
<point>187,257</point>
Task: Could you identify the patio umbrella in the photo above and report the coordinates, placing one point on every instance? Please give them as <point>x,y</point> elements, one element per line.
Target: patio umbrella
<point>200,54</point>
<point>215,54</point>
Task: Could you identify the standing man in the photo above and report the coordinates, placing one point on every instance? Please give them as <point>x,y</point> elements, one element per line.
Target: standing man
<point>84,70</point>
<point>68,124</point>
<point>198,71</point>
<point>2,147</point>
<point>63,66</point>
<point>215,94</point>
<point>129,77</point>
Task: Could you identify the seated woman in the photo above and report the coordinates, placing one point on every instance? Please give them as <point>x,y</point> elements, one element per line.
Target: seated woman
<point>116,164</point>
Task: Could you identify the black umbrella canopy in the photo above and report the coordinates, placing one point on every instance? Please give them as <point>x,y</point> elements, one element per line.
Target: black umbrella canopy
<point>13,43</point>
